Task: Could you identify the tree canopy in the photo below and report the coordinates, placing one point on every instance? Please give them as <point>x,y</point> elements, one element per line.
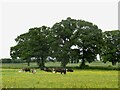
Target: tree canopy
<point>111,48</point>
<point>85,35</point>
<point>67,41</point>
<point>32,44</point>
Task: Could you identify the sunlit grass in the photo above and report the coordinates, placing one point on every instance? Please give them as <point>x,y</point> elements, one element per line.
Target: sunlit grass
<point>78,79</point>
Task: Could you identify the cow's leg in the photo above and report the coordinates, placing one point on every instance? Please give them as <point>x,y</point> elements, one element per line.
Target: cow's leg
<point>64,71</point>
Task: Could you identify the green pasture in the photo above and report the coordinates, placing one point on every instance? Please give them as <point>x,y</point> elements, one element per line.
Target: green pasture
<point>80,78</point>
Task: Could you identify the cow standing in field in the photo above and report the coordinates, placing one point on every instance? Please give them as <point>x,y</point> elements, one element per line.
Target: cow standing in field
<point>61,70</point>
<point>26,69</point>
<point>47,69</point>
<point>69,70</point>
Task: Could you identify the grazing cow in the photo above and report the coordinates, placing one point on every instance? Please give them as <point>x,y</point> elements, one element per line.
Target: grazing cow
<point>26,69</point>
<point>61,70</point>
<point>47,69</point>
<point>69,70</point>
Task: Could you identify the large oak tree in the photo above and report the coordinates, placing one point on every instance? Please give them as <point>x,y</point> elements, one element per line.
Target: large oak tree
<point>85,35</point>
<point>33,44</point>
<point>111,48</point>
<point>57,43</point>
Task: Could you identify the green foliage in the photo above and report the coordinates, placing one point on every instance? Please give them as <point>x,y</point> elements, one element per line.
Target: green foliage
<point>56,43</point>
<point>89,41</point>
<point>62,34</point>
<point>32,44</point>
<point>111,49</point>
<point>39,44</point>
<point>83,34</point>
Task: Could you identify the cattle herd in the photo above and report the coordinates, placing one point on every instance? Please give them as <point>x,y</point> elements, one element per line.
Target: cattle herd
<point>53,70</point>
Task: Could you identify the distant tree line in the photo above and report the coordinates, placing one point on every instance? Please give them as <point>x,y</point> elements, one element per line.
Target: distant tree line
<point>8,60</point>
<point>67,41</point>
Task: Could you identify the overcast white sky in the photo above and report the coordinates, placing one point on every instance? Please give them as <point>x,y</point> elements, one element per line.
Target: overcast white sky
<point>18,17</point>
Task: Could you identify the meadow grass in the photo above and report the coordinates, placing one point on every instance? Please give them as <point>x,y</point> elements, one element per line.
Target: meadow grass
<point>78,79</point>
<point>98,75</point>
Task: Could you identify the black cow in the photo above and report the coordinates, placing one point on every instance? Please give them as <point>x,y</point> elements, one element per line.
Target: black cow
<point>61,70</point>
<point>46,69</point>
<point>26,69</point>
<point>69,70</point>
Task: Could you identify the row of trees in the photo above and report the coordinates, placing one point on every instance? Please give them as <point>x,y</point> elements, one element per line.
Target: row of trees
<point>8,60</point>
<point>67,41</point>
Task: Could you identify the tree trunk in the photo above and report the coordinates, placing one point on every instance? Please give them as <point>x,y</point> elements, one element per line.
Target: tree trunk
<point>113,63</point>
<point>63,65</point>
<point>41,63</point>
<point>83,63</point>
<point>28,63</point>
<point>83,60</point>
<point>28,60</point>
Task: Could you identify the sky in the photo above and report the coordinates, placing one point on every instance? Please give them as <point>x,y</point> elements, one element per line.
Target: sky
<point>19,17</point>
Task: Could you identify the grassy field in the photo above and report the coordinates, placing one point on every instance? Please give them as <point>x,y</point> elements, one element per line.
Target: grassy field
<point>78,79</point>
<point>87,78</point>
